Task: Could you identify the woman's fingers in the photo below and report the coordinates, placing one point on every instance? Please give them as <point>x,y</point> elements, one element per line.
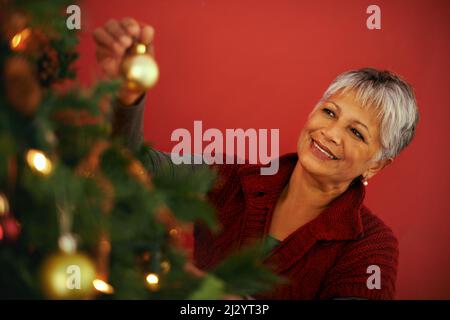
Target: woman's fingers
<point>115,37</point>
<point>106,40</point>
<point>119,33</point>
<point>147,35</point>
<point>103,38</point>
<point>107,62</point>
<point>132,27</point>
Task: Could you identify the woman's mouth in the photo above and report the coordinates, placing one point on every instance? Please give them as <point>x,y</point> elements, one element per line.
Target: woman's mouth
<point>320,152</point>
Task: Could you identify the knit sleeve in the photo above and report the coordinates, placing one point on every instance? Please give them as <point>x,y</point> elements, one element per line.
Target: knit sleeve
<point>367,267</point>
<point>127,122</point>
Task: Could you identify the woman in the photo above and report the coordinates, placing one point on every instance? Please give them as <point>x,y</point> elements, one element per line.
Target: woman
<point>311,213</point>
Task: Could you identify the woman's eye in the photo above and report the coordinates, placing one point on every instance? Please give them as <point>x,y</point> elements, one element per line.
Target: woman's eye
<point>355,132</point>
<point>328,111</point>
<point>359,135</point>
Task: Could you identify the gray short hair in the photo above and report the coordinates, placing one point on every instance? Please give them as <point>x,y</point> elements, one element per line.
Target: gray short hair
<point>393,99</point>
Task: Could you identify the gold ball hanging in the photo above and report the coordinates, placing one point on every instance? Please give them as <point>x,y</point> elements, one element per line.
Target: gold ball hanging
<point>139,69</point>
<point>4,205</point>
<point>68,276</point>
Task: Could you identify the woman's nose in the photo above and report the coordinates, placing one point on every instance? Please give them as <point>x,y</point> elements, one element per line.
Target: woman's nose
<point>332,134</point>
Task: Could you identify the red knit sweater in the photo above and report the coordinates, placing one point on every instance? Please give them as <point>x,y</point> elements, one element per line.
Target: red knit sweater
<point>323,259</point>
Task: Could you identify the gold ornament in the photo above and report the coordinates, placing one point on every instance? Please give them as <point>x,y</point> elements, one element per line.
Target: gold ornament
<point>21,85</point>
<point>68,276</point>
<point>139,69</point>
<point>39,162</point>
<point>4,205</point>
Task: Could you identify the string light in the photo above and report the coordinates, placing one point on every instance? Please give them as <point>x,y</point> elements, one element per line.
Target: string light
<point>102,286</point>
<point>18,42</point>
<point>39,162</point>
<point>152,281</point>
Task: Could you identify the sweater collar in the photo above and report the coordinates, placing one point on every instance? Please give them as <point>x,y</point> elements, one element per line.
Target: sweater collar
<point>341,220</point>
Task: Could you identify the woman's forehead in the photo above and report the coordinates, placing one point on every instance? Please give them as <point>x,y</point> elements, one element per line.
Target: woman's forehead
<point>349,105</point>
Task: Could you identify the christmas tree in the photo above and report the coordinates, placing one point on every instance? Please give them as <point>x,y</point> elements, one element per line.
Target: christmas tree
<point>81,216</point>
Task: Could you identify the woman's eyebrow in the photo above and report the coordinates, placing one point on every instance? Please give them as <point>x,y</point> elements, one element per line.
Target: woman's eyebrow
<point>357,121</point>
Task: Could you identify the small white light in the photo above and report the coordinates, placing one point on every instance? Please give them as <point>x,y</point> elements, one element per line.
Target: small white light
<point>102,286</point>
<point>39,162</point>
<point>152,278</point>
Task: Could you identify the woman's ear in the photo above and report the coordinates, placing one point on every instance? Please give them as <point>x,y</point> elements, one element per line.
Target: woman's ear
<point>377,166</point>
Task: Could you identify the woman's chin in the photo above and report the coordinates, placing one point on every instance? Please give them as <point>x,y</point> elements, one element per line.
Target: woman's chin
<point>313,165</point>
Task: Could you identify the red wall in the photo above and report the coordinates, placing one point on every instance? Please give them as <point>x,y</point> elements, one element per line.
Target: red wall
<point>264,63</point>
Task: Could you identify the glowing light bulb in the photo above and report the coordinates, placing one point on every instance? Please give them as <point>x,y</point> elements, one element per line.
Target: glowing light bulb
<point>102,286</point>
<point>39,162</point>
<point>18,42</point>
<point>152,278</point>
<point>152,281</point>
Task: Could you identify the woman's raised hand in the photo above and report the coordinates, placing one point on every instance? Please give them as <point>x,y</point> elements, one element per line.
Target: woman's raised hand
<point>112,41</point>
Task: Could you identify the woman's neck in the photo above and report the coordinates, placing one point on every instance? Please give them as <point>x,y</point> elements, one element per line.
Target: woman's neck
<point>309,193</point>
<point>302,200</point>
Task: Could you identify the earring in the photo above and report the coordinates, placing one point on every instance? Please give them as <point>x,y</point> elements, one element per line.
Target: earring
<point>365,182</point>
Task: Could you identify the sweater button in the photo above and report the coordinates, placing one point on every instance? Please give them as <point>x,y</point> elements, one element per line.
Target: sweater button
<point>260,194</point>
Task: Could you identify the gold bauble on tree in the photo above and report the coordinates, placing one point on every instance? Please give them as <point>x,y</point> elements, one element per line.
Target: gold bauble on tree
<point>68,276</point>
<point>139,69</point>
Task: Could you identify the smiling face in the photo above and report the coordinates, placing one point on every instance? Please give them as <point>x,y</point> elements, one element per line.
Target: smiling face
<point>340,139</point>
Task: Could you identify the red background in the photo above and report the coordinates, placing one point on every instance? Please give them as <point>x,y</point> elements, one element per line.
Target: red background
<point>264,64</point>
